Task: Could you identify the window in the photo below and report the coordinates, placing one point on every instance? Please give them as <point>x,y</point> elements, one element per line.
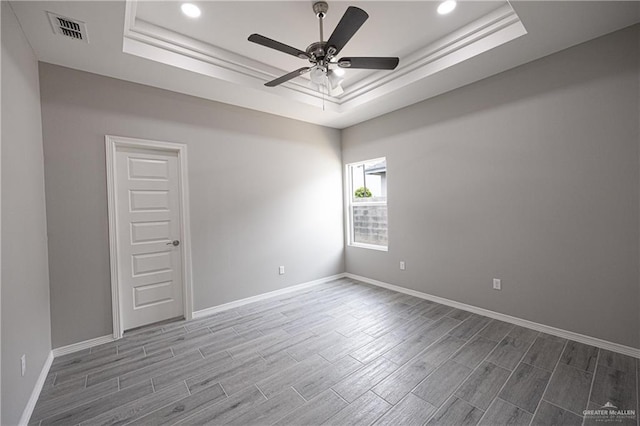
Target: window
<point>367,204</point>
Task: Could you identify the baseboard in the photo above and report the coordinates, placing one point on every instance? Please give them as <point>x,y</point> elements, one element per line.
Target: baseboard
<point>37,388</point>
<point>581,338</point>
<point>588,340</point>
<point>75,347</point>
<point>236,303</point>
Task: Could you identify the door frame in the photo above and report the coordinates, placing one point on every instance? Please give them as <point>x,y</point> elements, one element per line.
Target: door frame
<point>112,144</point>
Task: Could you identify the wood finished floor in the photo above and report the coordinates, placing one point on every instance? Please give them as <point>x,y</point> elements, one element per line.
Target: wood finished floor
<point>342,353</point>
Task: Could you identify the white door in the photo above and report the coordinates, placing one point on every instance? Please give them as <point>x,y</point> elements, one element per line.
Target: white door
<point>149,242</point>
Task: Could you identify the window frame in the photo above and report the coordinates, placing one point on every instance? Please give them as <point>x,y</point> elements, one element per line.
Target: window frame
<point>349,205</point>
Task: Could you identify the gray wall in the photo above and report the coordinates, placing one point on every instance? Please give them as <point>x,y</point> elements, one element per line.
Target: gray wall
<point>264,192</point>
<point>25,282</point>
<point>531,176</point>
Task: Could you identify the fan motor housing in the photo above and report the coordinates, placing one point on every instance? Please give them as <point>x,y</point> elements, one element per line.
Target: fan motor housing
<point>317,50</point>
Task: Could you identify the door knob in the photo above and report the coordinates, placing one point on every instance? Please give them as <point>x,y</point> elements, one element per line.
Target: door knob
<point>174,243</point>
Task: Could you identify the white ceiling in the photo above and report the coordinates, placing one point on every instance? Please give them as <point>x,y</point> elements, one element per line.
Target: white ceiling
<point>152,43</point>
<point>388,31</point>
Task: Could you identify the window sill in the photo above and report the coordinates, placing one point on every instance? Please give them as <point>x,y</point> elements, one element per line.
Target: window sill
<point>369,246</point>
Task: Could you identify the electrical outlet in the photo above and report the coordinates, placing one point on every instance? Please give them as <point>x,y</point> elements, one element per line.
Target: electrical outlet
<point>402,265</point>
<point>23,365</point>
<point>497,284</point>
<point>281,270</point>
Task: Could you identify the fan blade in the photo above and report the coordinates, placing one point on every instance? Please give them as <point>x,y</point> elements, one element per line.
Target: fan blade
<point>375,63</point>
<point>267,42</point>
<point>287,77</point>
<point>350,23</point>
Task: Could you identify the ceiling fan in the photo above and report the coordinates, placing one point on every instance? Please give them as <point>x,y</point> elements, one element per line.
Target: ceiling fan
<point>325,68</point>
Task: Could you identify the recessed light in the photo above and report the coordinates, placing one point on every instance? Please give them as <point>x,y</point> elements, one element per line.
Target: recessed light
<point>190,9</point>
<point>446,7</point>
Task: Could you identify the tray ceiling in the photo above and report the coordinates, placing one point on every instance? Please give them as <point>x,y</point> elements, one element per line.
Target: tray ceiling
<point>153,43</point>
<point>216,43</point>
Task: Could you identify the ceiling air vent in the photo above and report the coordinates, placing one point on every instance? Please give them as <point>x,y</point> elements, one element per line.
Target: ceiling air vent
<point>68,27</point>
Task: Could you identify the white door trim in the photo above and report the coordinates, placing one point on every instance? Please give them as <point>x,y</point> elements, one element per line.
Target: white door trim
<point>112,143</point>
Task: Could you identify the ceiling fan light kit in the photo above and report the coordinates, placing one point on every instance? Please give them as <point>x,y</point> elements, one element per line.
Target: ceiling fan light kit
<point>322,54</point>
<point>318,74</point>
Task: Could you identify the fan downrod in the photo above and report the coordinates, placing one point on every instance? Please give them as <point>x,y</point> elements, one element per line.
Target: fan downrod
<point>317,51</point>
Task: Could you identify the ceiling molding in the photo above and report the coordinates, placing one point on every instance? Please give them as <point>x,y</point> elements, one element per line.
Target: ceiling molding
<point>498,27</point>
<point>159,44</point>
<point>154,42</point>
<point>492,30</point>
